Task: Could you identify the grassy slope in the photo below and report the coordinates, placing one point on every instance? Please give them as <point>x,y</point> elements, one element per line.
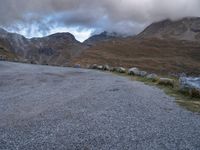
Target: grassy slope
<point>4,52</point>
<point>153,55</point>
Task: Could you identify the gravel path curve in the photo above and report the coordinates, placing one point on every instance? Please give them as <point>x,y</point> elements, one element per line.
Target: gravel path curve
<point>44,107</point>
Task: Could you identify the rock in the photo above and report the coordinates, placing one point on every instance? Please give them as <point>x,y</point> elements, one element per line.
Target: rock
<point>119,69</point>
<point>100,67</point>
<point>190,86</point>
<point>137,72</point>
<point>142,73</point>
<point>94,66</point>
<point>166,82</point>
<point>106,68</point>
<point>77,66</point>
<point>112,69</point>
<point>154,77</point>
<point>133,71</point>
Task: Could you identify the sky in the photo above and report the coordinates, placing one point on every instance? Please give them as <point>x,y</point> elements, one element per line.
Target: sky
<point>36,18</point>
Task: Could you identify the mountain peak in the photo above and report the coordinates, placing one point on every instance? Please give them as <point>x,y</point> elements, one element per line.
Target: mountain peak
<point>104,36</point>
<point>182,29</point>
<point>62,35</point>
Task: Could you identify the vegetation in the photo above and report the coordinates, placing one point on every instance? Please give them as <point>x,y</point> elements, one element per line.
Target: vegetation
<point>6,53</point>
<point>182,99</point>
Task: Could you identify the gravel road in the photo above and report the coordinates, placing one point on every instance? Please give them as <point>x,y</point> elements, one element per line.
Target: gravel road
<point>46,108</point>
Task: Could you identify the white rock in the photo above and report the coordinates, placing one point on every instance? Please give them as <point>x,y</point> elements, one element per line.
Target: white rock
<point>133,71</point>
<point>106,68</point>
<point>190,85</point>
<point>137,72</point>
<point>120,69</point>
<point>153,77</point>
<point>100,67</point>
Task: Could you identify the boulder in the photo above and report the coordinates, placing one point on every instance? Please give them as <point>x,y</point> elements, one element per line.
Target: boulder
<point>100,67</point>
<point>133,71</point>
<point>190,85</point>
<point>142,73</point>
<point>166,82</point>
<point>154,77</point>
<point>106,68</point>
<point>94,66</point>
<point>119,69</point>
<point>77,66</point>
<point>137,72</point>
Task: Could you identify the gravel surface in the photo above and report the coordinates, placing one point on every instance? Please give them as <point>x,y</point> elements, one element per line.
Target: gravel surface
<point>46,108</point>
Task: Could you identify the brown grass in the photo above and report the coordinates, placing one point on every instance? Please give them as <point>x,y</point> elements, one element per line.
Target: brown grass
<point>153,55</point>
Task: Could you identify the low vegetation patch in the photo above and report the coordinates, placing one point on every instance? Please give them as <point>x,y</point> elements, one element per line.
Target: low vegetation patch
<point>182,99</point>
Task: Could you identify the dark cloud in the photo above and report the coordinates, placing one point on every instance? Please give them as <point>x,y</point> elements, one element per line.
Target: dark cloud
<point>124,16</point>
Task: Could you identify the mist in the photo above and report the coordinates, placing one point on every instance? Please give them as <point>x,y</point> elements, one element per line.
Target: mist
<point>123,16</point>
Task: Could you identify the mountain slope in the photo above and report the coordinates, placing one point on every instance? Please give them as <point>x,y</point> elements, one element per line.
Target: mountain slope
<point>184,29</point>
<point>56,49</point>
<point>163,47</point>
<point>102,37</point>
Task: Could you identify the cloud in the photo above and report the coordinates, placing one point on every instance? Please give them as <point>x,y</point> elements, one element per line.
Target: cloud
<point>123,16</point>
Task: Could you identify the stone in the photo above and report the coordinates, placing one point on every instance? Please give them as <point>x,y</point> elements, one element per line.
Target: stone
<point>106,68</point>
<point>94,66</point>
<point>154,77</point>
<point>100,67</point>
<point>190,85</point>
<point>137,72</point>
<point>77,66</point>
<point>119,69</point>
<point>166,82</point>
<point>133,71</point>
<point>142,73</point>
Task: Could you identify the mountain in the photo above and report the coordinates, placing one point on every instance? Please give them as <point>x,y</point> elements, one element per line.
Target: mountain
<point>184,29</point>
<point>56,49</point>
<point>163,47</point>
<point>102,37</point>
<point>16,43</point>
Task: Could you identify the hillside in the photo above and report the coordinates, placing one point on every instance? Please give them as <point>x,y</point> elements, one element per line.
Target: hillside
<point>56,49</point>
<point>163,47</point>
<point>153,54</point>
<point>102,37</point>
<point>183,29</point>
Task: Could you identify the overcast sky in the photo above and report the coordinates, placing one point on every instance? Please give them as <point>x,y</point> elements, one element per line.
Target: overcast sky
<point>83,17</point>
